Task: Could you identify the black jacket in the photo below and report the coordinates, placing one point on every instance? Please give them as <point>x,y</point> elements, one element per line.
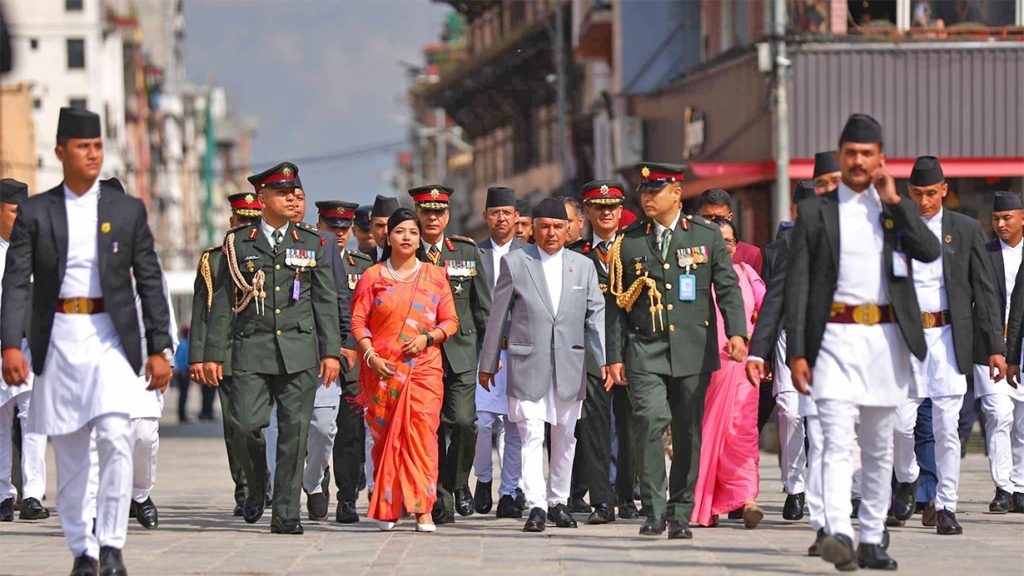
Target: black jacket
<point>967,274</point>
<point>997,271</point>
<point>813,270</point>
<point>773,309</point>
<point>39,251</point>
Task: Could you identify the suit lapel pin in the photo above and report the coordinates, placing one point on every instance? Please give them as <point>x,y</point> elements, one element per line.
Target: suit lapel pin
<point>949,239</point>
<point>888,223</point>
<point>105,227</point>
<point>114,246</point>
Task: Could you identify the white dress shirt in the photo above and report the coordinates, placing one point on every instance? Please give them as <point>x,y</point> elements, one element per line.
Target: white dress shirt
<point>1011,263</point>
<point>82,272</point>
<point>597,241</point>
<point>938,374</point>
<point>496,253</point>
<point>552,265</point>
<point>269,230</point>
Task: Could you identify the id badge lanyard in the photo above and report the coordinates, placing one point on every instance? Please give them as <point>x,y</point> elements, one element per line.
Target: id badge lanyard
<point>900,263</point>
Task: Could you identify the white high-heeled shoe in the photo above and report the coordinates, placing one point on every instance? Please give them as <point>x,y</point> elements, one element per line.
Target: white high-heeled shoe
<point>426,527</point>
<point>385,526</point>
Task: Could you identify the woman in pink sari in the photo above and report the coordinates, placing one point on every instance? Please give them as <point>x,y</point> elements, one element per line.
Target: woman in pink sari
<point>402,311</point>
<point>728,477</point>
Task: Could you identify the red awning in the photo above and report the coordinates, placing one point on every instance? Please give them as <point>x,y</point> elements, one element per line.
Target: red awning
<point>738,174</point>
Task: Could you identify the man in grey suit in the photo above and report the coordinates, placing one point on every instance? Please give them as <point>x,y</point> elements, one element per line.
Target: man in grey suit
<point>492,405</point>
<point>547,301</point>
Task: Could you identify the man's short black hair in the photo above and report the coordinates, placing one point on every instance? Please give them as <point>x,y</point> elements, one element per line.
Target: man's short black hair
<point>574,202</point>
<point>715,197</point>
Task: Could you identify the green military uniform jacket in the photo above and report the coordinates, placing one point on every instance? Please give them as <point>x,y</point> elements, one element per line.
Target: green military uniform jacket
<point>278,334</point>
<point>461,259</point>
<point>683,339</point>
<point>354,263</point>
<point>588,249</point>
<point>202,301</point>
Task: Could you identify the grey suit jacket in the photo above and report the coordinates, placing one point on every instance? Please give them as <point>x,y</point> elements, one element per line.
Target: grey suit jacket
<point>486,258</point>
<point>544,347</point>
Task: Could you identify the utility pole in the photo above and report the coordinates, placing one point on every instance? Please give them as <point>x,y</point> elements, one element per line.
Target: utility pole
<point>780,116</point>
<point>441,152</point>
<point>560,72</point>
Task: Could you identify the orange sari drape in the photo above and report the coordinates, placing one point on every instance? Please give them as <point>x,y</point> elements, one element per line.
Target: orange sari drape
<point>403,412</point>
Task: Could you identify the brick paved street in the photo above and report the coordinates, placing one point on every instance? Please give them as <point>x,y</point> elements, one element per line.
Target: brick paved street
<point>197,535</point>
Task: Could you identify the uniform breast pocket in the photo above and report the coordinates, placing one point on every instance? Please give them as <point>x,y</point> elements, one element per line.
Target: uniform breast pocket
<point>243,329</point>
<point>305,327</point>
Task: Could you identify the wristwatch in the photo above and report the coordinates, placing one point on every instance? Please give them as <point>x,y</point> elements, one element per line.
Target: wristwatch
<point>168,355</point>
<point>430,339</point>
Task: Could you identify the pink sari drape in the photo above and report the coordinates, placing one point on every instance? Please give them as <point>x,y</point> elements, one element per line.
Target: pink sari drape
<point>728,476</point>
<point>403,412</point>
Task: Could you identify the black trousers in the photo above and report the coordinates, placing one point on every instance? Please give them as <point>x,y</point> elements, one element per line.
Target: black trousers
<point>591,467</point>
<point>627,465</point>
<point>456,438</point>
<point>348,449</point>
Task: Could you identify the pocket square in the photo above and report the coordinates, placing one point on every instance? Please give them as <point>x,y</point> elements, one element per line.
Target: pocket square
<point>578,288</point>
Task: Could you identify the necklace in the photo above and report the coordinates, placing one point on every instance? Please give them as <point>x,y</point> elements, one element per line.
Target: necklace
<point>399,277</point>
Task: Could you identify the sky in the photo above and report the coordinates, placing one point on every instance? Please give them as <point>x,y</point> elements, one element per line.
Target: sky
<point>318,76</point>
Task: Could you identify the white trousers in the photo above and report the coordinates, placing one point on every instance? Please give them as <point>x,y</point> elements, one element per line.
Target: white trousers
<point>838,418</point>
<point>945,428</point>
<point>113,437</point>
<point>855,456</point>
<point>813,494</point>
<point>323,428</point>
<point>33,452</point>
<point>510,454</point>
<point>791,441</point>
<point>368,460</point>
<point>146,445</point>
<point>563,450</point>
<point>1004,425</point>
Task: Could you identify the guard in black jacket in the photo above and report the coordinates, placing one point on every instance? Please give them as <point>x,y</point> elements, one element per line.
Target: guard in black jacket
<point>852,317</point>
<point>955,293</point>
<point>84,242</point>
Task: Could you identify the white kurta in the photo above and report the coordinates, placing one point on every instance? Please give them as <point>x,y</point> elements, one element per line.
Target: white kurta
<point>7,393</point>
<point>549,409</point>
<point>983,385</point>
<point>937,375</point>
<point>496,400</point>
<point>86,373</point>
<point>865,365</point>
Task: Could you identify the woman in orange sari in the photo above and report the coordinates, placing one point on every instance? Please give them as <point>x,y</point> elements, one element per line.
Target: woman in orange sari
<point>402,311</point>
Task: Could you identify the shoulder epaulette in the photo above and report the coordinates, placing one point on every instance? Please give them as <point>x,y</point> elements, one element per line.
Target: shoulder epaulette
<point>638,225</point>
<point>702,222</point>
<point>359,255</point>
<point>237,228</point>
<point>307,228</point>
<point>463,239</point>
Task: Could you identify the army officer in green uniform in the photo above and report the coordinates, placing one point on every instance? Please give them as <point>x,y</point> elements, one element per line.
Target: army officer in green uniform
<point>245,210</point>
<point>275,306</point>
<point>461,258</point>
<point>662,339</point>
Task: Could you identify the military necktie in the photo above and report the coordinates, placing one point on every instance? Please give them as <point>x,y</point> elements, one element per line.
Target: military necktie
<point>666,239</point>
<point>278,237</point>
<point>434,254</point>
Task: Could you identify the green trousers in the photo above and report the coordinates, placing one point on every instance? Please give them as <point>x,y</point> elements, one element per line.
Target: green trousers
<point>250,406</point>
<point>659,402</point>
<point>233,440</point>
<point>458,426</point>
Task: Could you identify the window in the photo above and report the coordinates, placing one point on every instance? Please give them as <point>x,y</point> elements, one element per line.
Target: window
<point>79,103</point>
<point>76,54</point>
<point>37,103</point>
<point>978,14</point>
<point>73,5</point>
<point>33,43</point>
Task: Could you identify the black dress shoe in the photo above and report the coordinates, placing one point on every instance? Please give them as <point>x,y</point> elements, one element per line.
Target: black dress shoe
<point>346,513</point>
<point>578,505</point>
<point>561,516</point>
<point>507,508</point>
<point>885,538</point>
<point>947,524</point>
<point>904,499</point>
<point>32,509</point>
<point>875,557</point>
<point>482,499</point>
<point>628,511</point>
<point>146,514</point>
<point>7,510</point>
<point>111,563</point>
<point>253,509</point>
<point>536,521</point>
<point>793,509</point>
<point>463,501</point>
<point>278,526</point>
<point>929,516</point>
<point>1018,502</point>
<point>85,566</point>
<point>132,512</point>
<point>520,499</point>
<point>442,516</point>
<point>238,511</point>
<point>602,514</point>
<point>653,526</point>
<point>838,549</point>
<point>679,530</point>
<point>1002,503</point>
<point>855,505</point>
<point>815,549</point>
<point>317,506</point>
